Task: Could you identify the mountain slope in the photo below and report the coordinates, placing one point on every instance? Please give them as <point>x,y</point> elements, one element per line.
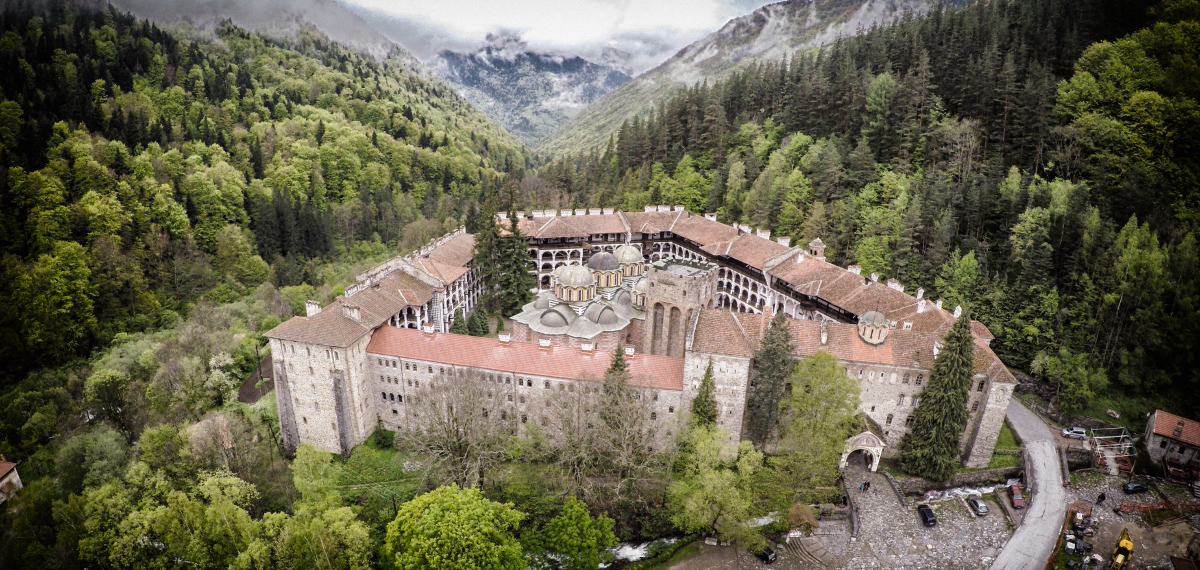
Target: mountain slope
<point>768,33</point>
<point>530,94</point>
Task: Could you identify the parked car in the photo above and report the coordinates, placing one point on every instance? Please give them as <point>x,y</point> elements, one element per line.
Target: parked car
<point>1017,498</point>
<point>767,555</point>
<point>1134,487</point>
<point>978,506</point>
<point>927,517</point>
<point>1074,433</point>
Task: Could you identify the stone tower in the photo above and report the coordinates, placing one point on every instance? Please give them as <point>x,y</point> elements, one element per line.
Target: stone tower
<point>676,288</point>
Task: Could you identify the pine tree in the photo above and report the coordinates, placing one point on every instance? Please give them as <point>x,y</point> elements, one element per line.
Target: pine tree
<point>704,406</point>
<point>769,372</point>
<point>514,279</point>
<point>618,368</point>
<point>931,448</point>
<point>460,325</point>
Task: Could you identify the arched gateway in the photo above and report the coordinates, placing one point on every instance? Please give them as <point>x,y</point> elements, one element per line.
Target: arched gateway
<point>867,442</point>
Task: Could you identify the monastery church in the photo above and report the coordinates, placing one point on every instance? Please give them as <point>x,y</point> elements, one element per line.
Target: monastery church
<point>674,290</point>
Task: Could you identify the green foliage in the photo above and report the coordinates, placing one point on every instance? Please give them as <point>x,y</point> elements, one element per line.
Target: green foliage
<point>712,496</point>
<point>818,413</point>
<point>931,448</point>
<point>770,369</point>
<point>452,528</point>
<point>574,540</point>
<point>1076,382</point>
<point>460,325</point>
<point>704,405</point>
<point>91,459</point>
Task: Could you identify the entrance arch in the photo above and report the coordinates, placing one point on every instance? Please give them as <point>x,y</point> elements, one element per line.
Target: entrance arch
<point>866,442</point>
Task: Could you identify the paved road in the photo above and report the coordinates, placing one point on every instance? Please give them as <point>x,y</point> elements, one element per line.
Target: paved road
<point>1033,542</point>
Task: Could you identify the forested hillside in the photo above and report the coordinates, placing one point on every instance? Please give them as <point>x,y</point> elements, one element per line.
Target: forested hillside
<point>1033,160</point>
<point>143,171</point>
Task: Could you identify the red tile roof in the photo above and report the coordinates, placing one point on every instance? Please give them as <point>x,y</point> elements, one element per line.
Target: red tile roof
<point>376,305</point>
<point>662,372</point>
<point>6,467</point>
<point>1165,424</point>
<point>739,334</point>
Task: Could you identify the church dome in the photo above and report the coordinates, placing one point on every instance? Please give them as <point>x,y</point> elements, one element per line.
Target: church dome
<point>557,317</point>
<point>875,318</point>
<point>607,317</point>
<point>640,286</point>
<point>603,261</point>
<point>574,276</point>
<point>541,302</point>
<point>627,254</point>
<point>623,298</point>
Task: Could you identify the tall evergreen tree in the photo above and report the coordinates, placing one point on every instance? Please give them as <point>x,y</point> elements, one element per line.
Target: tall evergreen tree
<point>704,406</point>
<point>769,372</point>
<point>931,448</point>
<point>515,282</point>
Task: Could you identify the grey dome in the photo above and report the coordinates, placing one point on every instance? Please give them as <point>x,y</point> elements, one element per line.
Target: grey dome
<point>640,286</point>
<point>874,318</point>
<point>607,316</point>
<point>627,254</point>
<point>603,261</point>
<point>557,317</point>
<point>623,298</point>
<point>574,276</point>
<point>542,302</point>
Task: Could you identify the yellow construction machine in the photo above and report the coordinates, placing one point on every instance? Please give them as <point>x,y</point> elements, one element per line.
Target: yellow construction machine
<point>1122,552</point>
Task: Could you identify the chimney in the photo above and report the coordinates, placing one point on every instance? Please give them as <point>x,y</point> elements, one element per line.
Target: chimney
<point>544,342</point>
<point>587,347</point>
<point>920,293</point>
<point>427,329</point>
<point>520,214</point>
<point>351,312</point>
<point>663,208</point>
<point>711,216</point>
<point>629,352</point>
<point>648,208</point>
<point>580,211</point>
<point>801,257</point>
<point>784,241</point>
<point>816,248</point>
<point>824,334</point>
<point>937,347</point>
<point>311,308</point>
<point>895,285</point>
<point>957,311</point>
<point>502,215</point>
<point>594,211</point>
<point>678,208</point>
<point>565,212</point>
<point>939,303</point>
<point>609,210</point>
<point>765,234</point>
<point>874,276</point>
<point>504,336</point>
<point>854,269</point>
<point>920,303</point>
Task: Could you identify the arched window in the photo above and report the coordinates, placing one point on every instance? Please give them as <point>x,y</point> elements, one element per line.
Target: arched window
<point>905,378</point>
<point>981,383</point>
<point>975,407</point>
<point>889,419</point>
<point>901,402</point>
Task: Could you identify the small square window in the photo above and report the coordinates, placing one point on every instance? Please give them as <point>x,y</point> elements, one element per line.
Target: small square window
<point>889,419</point>
<point>975,407</point>
<point>394,412</point>
<point>653,415</point>
<point>670,409</point>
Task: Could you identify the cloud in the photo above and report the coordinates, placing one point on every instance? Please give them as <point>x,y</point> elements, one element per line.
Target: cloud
<point>649,30</point>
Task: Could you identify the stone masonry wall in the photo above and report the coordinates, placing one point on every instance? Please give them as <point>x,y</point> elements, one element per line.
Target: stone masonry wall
<point>396,382</point>
<point>985,426</point>
<point>730,376</point>
<point>312,397</point>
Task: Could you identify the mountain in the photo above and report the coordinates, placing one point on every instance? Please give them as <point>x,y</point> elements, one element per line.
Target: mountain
<point>530,94</point>
<point>768,33</point>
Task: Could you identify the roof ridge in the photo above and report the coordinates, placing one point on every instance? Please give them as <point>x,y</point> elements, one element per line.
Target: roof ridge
<point>742,332</point>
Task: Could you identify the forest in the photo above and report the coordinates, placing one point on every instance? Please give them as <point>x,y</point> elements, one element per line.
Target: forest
<point>169,194</point>
<point>1035,162</point>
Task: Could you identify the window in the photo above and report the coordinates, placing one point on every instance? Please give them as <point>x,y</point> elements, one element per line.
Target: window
<point>914,401</point>
<point>542,420</point>
<point>561,387</point>
<point>520,381</point>
<point>381,378</point>
<point>872,408</point>
<point>889,419</point>
<point>410,381</point>
<point>975,406</point>
<point>981,382</point>
<point>524,418</point>
<point>670,409</point>
<point>908,421</point>
<point>570,387</point>
<point>547,385</point>
<point>919,379</point>
<point>304,419</point>
<point>522,399</point>
<point>905,378</point>
<point>417,384</point>
<point>508,380</point>
<point>489,395</point>
<point>383,395</point>
<point>1163,444</point>
<point>901,402</point>
<point>503,415</point>
<point>510,397</point>
<point>392,397</point>
<point>379,361</point>
<point>394,412</point>
<point>406,366</point>
<point>655,396</point>
<point>653,415</point>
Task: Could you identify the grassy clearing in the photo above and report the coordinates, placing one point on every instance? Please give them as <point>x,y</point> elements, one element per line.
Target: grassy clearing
<point>1007,438</point>
<point>378,473</point>
<point>1003,460</point>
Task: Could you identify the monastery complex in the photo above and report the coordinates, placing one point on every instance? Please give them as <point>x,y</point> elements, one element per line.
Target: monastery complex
<point>674,290</point>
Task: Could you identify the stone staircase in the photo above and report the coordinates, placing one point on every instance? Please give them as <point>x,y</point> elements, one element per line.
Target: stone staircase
<point>808,551</point>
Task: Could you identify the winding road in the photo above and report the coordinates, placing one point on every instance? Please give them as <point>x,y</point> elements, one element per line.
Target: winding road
<point>1033,542</point>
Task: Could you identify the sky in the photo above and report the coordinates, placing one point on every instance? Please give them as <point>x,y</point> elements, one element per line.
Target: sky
<point>644,31</point>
